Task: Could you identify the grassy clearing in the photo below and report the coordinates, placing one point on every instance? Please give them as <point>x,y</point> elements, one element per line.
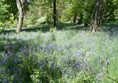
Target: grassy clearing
<point>59,57</point>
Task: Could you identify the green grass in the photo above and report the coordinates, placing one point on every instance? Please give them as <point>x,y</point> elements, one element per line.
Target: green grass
<point>65,56</point>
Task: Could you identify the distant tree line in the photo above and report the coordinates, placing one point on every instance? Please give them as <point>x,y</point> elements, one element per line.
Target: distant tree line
<point>92,13</point>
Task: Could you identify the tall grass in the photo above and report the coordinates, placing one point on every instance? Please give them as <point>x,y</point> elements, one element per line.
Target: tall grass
<point>59,57</point>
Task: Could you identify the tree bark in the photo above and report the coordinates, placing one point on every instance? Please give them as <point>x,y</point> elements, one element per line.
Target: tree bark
<point>96,23</point>
<point>54,13</point>
<point>101,11</point>
<point>21,15</point>
<point>98,15</point>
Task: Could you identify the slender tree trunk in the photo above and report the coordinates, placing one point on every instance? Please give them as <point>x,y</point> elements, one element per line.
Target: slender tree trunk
<point>21,16</point>
<point>96,21</point>
<point>54,13</point>
<point>101,11</point>
<point>98,15</point>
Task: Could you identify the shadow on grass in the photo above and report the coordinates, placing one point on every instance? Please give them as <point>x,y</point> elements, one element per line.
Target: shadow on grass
<point>111,27</point>
<point>6,42</point>
<point>46,27</point>
<point>62,26</point>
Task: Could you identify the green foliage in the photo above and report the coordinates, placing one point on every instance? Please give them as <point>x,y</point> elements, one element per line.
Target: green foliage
<point>83,10</point>
<point>8,7</point>
<point>78,11</point>
<point>3,12</point>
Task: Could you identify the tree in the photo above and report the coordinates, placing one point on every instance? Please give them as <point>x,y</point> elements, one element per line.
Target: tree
<point>98,15</point>
<point>54,13</point>
<point>14,8</point>
<point>21,5</point>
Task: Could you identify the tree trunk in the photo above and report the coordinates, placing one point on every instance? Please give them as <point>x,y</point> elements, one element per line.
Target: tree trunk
<point>101,11</point>
<point>21,16</point>
<point>98,15</point>
<point>54,13</point>
<point>96,21</point>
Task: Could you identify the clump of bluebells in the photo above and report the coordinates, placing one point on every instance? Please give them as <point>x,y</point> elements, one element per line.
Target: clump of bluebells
<point>58,57</point>
<point>28,65</point>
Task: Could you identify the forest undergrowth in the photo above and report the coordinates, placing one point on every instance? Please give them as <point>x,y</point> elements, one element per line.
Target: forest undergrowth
<point>59,57</point>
